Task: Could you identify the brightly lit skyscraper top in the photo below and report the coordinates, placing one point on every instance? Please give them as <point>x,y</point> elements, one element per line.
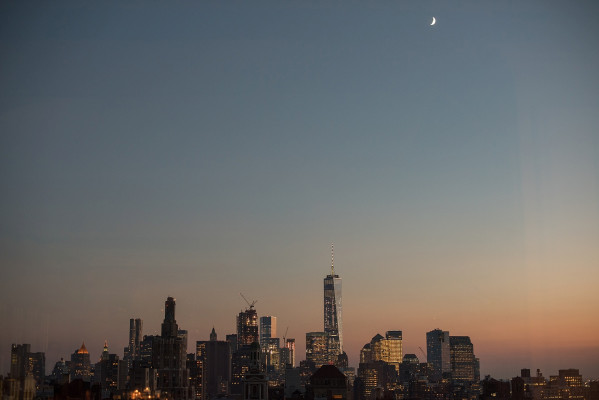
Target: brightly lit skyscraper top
<point>333,320</point>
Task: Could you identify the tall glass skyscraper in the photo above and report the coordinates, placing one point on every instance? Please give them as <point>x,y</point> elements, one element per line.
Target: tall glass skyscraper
<point>438,353</point>
<point>268,329</point>
<point>333,320</point>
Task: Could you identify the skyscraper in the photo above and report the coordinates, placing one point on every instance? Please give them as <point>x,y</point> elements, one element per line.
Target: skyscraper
<point>333,321</point>
<point>18,360</point>
<point>247,334</point>
<point>23,363</point>
<point>317,349</point>
<point>80,364</point>
<point>107,372</point>
<point>462,359</point>
<point>135,337</point>
<point>269,343</point>
<point>268,329</point>
<point>169,356</point>
<point>387,349</point>
<point>290,346</point>
<point>437,353</point>
<point>247,327</point>
<point>214,357</point>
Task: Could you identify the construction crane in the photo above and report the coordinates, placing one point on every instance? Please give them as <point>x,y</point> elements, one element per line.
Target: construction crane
<point>423,353</point>
<point>251,305</point>
<point>285,335</point>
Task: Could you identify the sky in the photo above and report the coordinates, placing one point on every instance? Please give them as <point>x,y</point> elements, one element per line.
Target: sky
<point>203,149</point>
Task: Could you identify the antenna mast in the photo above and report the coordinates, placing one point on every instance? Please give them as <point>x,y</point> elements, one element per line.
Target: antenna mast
<point>332,260</point>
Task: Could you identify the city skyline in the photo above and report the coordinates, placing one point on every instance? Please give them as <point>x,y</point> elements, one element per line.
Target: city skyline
<point>430,356</point>
<point>199,150</point>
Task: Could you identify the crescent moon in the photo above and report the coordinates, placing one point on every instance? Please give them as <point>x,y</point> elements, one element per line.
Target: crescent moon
<point>434,21</point>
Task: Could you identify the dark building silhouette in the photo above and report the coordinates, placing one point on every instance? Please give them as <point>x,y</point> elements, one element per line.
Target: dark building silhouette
<point>594,390</point>
<point>80,364</point>
<point>255,382</point>
<point>60,372</point>
<point>107,373</point>
<point>25,366</point>
<point>169,355</point>
<point>375,374</point>
<point>77,390</point>
<point>232,340</point>
<point>492,389</point>
<point>133,350</point>
<point>330,383</point>
<point>517,388</point>
<point>214,357</point>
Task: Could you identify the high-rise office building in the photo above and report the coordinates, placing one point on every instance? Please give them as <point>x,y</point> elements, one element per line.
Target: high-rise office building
<point>438,353</point>
<point>333,320</point>
<point>135,337</point>
<point>214,357</point>
<point>290,346</point>
<point>107,373</point>
<point>23,363</point>
<point>18,360</point>
<point>269,343</point>
<point>169,356</point>
<point>37,368</point>
<point>255,381</point>
<point>145,350</point>
<point>247,334</point>
<point>317,349</point>
<point>462,359</point>
<point>80,364</point>
<point>60,372</point>
<point>247,327</point>
<point>387,349</point>
<point>268,328</point>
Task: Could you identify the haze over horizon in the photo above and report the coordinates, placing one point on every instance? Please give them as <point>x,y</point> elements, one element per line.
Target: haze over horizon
<point>199,150</point>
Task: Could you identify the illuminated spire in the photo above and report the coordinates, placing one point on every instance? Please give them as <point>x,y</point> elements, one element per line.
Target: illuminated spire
<point>82,349</point>
<point>332,260</point>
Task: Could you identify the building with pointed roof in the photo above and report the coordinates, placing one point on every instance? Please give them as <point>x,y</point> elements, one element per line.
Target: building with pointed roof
<point>214,357</point>
<point>82,349</point>
<point>333,317</point>
<point>169,356</point>
<point>329,383</point>
<point>107,372</point>
<point>80,364</point>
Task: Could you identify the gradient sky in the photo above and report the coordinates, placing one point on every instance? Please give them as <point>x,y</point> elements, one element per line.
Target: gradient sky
<point>202,149</point>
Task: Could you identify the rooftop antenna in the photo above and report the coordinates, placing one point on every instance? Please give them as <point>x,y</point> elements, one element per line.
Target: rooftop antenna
<point>332,260</point>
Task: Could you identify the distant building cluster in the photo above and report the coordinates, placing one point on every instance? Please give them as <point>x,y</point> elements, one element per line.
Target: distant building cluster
<point>255,364</point>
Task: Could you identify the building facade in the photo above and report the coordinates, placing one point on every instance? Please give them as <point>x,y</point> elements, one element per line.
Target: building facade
<point>462,359</point>
<point>247,327</point>
<point>333,310</point>
<point>80,364</point>
<point>438,353</point>
<point>169,355</point>
<point>214,359</point>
